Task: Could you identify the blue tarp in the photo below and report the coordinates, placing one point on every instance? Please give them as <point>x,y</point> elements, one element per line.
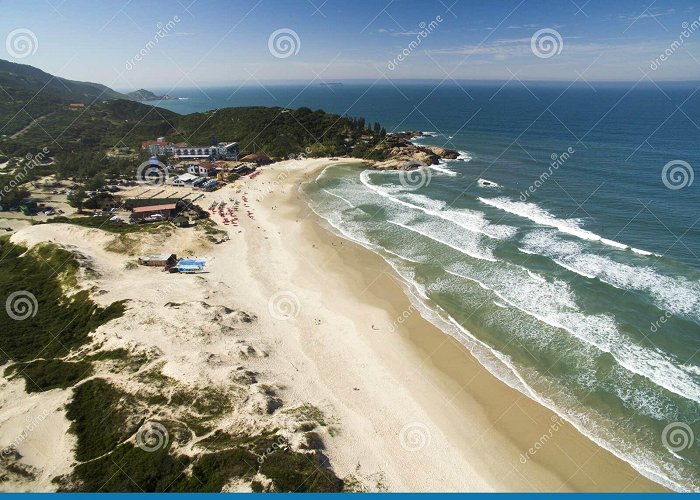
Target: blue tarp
<point>190,265</point>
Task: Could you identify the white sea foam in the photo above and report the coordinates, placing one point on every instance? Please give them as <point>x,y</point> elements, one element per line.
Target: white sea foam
<point>487,183</point>
<point>323,172</point>
<point>466,219</point>
<point>677,295</point>
<point>340,197</point>
<point>541,216</point>
<point>442,169</point>
<point>464,156</point>
<point>536,277</point>
<point>468,248</point>
<point>502,367</point>
<point>336,224</point>
<point>644,252</point>
<point>553,303</point>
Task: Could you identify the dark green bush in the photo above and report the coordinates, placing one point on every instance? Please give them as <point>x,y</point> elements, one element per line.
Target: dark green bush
<point>45,374</point>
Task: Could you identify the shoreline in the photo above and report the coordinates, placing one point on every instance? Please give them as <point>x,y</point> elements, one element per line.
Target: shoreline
<point>399,409</point>
<point>467,389</point>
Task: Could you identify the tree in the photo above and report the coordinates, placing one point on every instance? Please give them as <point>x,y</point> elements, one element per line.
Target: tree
<point>13,197</point>
<point>76,198</point>
<point>96,182</point>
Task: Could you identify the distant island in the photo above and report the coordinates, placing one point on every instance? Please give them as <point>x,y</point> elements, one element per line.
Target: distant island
<point>147,95</point>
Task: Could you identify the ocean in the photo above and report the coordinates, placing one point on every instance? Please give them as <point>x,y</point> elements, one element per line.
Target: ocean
<point>562,248</point>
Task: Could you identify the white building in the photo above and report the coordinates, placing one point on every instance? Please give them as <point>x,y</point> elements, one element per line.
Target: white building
<point>227,151</point>
<point>222,151</point>
<point>203,170</point>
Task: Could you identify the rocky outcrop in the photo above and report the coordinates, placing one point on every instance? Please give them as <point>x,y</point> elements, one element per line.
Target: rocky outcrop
<point>398,164</point>
<point>401,154</point>
<point>445,154</point>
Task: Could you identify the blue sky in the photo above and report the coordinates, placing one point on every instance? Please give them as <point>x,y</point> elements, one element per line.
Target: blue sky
<point>186,43</point>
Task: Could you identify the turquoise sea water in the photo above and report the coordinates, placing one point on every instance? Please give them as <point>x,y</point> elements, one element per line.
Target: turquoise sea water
<point>581,288</point>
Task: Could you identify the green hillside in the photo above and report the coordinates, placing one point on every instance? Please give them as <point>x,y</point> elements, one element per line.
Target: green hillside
<point>27,93</point>
<point>275,132</point>
<point>36,116</point>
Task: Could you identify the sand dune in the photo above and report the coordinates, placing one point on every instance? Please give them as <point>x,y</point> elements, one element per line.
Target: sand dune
<point>404,410</point>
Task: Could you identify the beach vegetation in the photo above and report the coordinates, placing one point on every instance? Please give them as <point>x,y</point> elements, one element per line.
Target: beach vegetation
<point>299,472</point>
<point>101,417</point>
<point>103,223</point>
<point>45,374</point>
<point>55,323</point>
<point>105,417</point>
<point>129,468</point>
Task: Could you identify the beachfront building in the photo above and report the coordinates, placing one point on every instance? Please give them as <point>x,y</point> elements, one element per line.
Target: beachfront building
<point>185,179</point>
<point>148,213</point>
<point>220,151</point>
<point>203,169</point>
<point>159,147</point>
<point>257,158</point>
<point>166,261</point>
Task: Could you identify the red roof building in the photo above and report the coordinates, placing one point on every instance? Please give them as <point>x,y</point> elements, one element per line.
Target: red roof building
<point>141,213</point>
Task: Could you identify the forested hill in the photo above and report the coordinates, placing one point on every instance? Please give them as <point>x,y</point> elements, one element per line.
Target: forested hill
<point>22,82</point>
<point>276,132</point>
<point>67,117</point>
<point>28,93</point>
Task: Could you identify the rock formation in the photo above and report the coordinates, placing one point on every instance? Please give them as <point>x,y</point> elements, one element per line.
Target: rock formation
<point>401,154</point>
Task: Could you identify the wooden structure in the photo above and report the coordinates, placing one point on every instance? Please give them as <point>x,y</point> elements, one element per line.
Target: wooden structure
<point>166,261</point>
<point>148,212</point>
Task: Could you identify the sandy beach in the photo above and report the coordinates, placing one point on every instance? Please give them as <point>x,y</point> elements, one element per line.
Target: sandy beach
<point>407,408</point>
